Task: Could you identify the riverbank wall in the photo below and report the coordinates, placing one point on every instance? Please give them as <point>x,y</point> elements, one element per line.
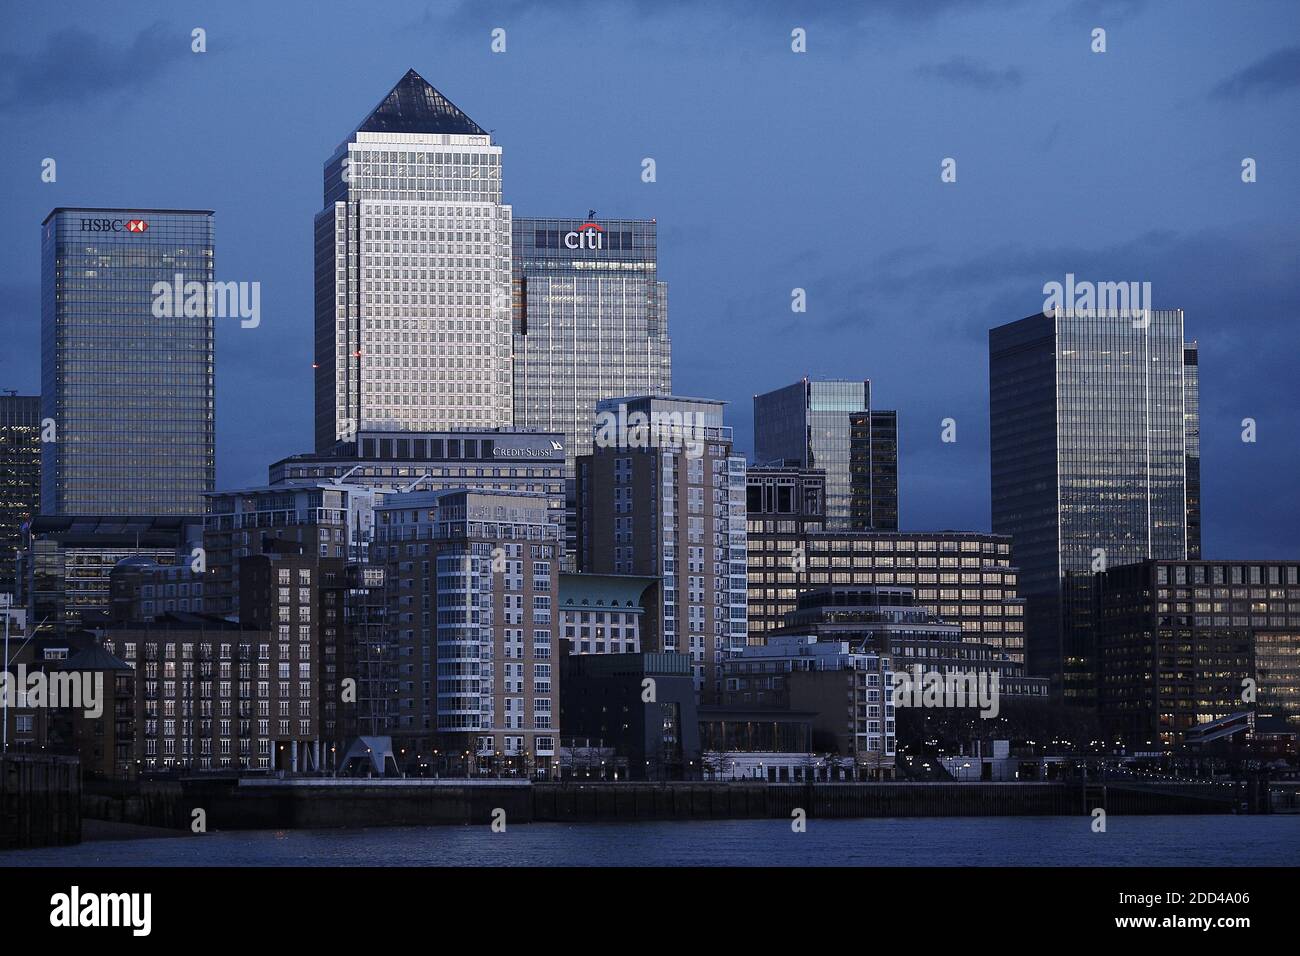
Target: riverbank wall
<point>304,803</point>
<point>40,801</point>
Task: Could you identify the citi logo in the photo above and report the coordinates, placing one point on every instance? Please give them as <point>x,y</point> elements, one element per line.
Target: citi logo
<point>113,225</point>
<point>587,236</point>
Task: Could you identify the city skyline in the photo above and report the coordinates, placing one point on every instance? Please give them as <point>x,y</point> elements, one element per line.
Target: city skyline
<point>943,361</point>
<point>648,434</point>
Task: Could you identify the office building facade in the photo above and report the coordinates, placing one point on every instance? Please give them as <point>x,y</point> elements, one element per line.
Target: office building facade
<point>299,599</point>
<point>130,394</point>
<point>472,590</point>
<point>324,519</point>
<point>65,569</point>
<point>1192,420</point>
<point>676,511</point>
<point>1094,436</point>
<point>413,307</point>
<point>496,459</point>
<point>603,701</point>
<point>847,691</point>
<point>608,613</point>
<point>968,578</point>
<point>211,694</point>
<point>590,322</point>
<point>1182,643</point>
<point>830,426</point>
<point>890,620</point>
<point>140,589</point>
<point>20,478</point>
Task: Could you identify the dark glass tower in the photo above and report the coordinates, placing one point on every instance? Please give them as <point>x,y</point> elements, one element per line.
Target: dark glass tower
<point>1093,421</point>
<point>130,394</point>
<point>829,425</point>
<point>1192,416</point>
<point>873,471</point>
<point>20,477</point>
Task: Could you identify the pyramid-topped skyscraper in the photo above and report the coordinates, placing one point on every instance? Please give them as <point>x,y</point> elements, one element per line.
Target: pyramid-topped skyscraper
<point>413,323</point>
<point>414,106</point>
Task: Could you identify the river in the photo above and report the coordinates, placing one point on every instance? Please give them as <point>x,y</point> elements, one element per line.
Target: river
<point>912,841</point>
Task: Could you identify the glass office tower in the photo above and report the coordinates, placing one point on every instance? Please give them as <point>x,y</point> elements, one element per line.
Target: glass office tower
<point>1093,429</point>
<point>590,323</point>
<point>130,394</point>
<point>829,425</point>
<point>412,274</point>
<point>1192,416</point>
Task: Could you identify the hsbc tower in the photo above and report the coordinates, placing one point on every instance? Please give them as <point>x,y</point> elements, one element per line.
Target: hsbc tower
<point>126,396</point>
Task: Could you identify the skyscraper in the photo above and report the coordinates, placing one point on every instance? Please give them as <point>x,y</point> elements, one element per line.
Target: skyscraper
<point>590,323</point>
<point>1192,417</point>
<point>20,477</point>
<point>412,274</point>
<point>675,511</point>
<point>1093,431</point>
<point>130,393</point>
<point>829,425</point>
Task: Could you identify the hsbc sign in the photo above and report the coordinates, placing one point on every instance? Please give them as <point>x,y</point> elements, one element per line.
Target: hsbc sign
<point>587,236</point>
<point>114,225</point>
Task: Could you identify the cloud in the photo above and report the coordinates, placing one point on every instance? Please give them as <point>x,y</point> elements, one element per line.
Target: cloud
<point>1276,73</point>
<point>964,71</point>
<point>474,14</point>
<point>912,315</point>
<point>1104,13</point>
<point>76,64</point>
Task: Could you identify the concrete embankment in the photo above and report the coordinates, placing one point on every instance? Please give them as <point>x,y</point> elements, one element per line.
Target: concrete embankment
<point>262,803</point>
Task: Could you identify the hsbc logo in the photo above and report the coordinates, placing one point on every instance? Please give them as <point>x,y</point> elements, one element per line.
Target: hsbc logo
<point>114,225</point>
<point>587,236</point>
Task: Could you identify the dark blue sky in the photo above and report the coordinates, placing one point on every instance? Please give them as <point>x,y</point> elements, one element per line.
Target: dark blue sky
<point>775,171</point>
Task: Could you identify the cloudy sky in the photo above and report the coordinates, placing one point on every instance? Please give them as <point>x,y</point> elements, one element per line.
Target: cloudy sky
<point>776,170</point>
